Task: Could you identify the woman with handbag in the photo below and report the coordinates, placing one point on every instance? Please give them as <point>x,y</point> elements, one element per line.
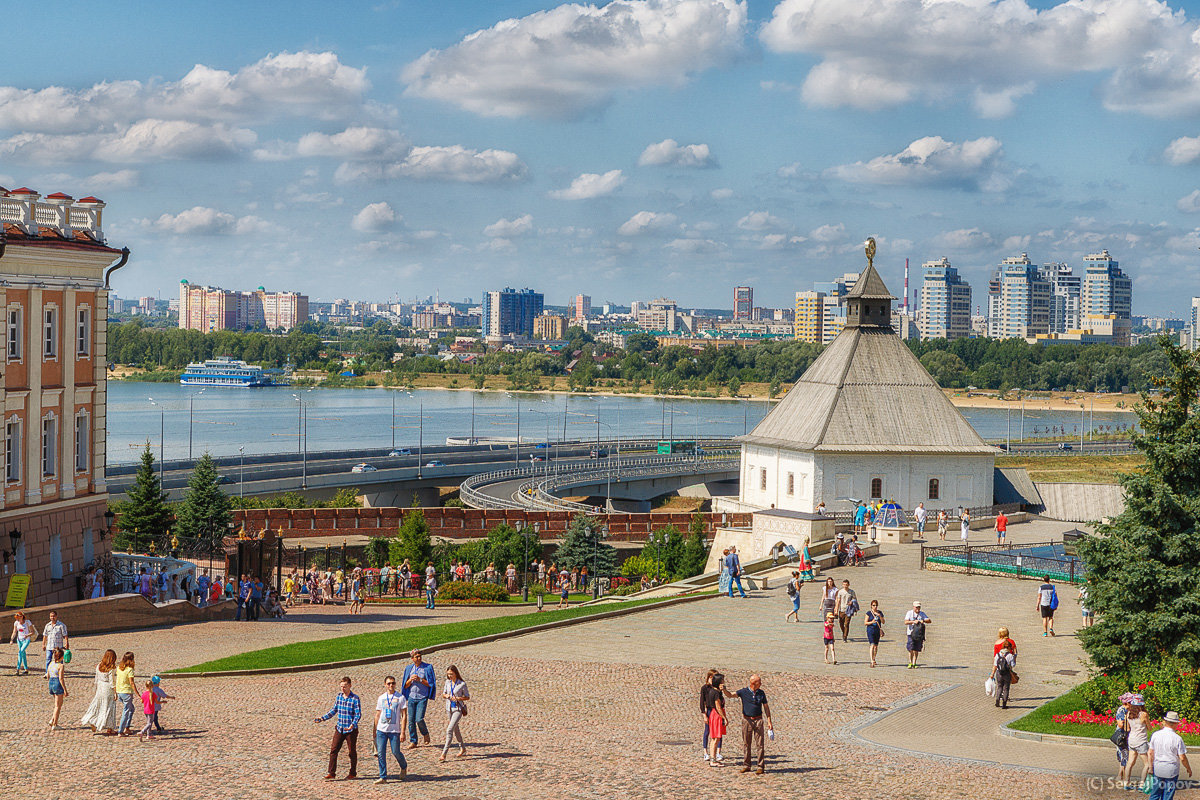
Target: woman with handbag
<point>456,694</point>
<point>1120,737</point>
<point>1139,741</point>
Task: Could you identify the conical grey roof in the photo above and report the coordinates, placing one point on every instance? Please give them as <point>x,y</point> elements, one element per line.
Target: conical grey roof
<point>870,286</point>
<point>867,393</point>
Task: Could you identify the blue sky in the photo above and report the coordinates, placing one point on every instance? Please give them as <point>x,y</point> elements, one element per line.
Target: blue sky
<point>638,149</point>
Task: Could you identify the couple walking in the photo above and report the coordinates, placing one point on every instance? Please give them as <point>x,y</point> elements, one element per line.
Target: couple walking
<point>755,710</point>
<point>396,709</point>
<point>731,572</point>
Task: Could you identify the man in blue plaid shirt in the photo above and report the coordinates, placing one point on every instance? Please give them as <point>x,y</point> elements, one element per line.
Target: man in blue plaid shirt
<point>349,711</point>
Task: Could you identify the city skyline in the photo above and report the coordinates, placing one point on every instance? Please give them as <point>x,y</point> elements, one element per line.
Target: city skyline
<point>365,155</point>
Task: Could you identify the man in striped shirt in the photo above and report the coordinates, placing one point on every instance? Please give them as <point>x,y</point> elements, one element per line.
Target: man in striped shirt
<point>349,711</point>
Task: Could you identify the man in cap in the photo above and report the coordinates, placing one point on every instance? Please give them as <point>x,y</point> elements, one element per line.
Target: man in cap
<point>915,621</point>
<point>1167,752</point>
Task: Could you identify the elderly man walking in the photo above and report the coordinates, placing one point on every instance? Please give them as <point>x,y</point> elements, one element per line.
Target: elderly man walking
<point>754,710</point>
<point>54,636</point>
<point>1167,752</point>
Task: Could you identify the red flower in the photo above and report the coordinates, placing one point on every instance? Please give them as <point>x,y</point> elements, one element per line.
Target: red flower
<point>1104,691</point>
<point>1151,683</point>
<point>1143,686</point>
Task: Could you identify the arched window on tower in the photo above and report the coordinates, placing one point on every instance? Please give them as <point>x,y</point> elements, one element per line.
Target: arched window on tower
<point>876,488</point>
<point>934,489</point>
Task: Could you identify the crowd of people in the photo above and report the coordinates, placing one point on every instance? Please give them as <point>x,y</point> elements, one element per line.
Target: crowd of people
<point>399,712</point>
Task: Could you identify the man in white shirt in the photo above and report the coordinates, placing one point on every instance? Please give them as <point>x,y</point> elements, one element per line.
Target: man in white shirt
<point>915,622</point>
<point>391,712</point>
<point>54,635</point>
<point>921,515</point>
<point>1167,751</point>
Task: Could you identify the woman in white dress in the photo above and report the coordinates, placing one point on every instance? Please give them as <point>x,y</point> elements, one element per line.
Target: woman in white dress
<point>965,519</point>
<point>101,715</point>
<point>98,583</point>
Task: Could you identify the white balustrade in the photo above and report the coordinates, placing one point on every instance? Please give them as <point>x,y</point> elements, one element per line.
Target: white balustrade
<point>59,213</point>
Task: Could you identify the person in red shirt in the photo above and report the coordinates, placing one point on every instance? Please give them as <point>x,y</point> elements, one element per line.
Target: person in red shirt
<point>1001,527</point>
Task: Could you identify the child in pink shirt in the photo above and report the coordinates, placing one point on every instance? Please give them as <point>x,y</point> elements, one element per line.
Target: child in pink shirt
<point>150,707</point>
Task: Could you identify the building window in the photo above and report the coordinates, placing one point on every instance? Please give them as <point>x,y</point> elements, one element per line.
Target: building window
<point>49,438</point>
<point>934,487</point>
<point>21,558</point>
<point>876,488</point>
<point>791,484</point>
<point>50,334</point>
<point>762,479</point>
<point>56,564</point>
<point>81,442</point>
<point>14,334</point>
<point>12,451</point>
<point>83,333</point>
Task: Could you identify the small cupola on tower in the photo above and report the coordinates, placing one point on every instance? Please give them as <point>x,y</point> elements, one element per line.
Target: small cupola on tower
<point>869,303</point>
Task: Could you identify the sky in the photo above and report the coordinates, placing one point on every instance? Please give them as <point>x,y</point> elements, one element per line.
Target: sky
<point>398,149</point>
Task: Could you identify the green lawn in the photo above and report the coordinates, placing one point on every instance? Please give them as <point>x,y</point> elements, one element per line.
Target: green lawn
<point>366,645</point>
<point>1040,720</point>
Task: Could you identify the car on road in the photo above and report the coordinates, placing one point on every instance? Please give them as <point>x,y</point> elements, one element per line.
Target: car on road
<point>541,445</point>
<point>400,451</point>
<point>221,479</point>
<point>436,463</point>
<point>536,459</point>
<point>360,468</point>
<point>1064,446</point>
<point>598,452</point>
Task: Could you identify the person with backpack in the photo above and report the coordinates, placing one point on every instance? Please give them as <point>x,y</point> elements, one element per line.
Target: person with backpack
<point>1047,604</point>
<point>793,590</point>
<point>1004,640</point>
<point>915,621</point>
<point>1003,674</point>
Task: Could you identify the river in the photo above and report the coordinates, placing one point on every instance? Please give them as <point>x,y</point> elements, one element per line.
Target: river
<point>267,420</point>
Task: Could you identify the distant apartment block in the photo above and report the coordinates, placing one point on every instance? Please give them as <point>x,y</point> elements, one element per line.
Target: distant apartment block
<point>743,302</point>
<point>581,307</point>
<point>833,309</point>
<point>1106,291</point>
<point>660,316</point>
<point>1018,300</point>
<point>807,322</point>
<point>550,327</point>
<point>1065,286</point>
<point>945,302</point>
<point>206,308</point>
<point>510,312</point>
<point>1193,324</point>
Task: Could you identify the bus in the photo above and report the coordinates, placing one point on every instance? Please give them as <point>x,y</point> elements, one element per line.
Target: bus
<point>670,446</point>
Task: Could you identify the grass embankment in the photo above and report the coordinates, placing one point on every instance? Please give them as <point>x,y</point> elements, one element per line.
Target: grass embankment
<point>381,643</point>
<point>1074,469</point>
<point>1041,720</point>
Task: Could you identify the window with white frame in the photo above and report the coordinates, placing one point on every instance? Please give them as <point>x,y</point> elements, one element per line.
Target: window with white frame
<point>49,440</point>
<point>81,441</point>
<point>12,450</point>
<point>50,333</point>
<point>83,331</point>
<point>791,484</point>
<point>762,479</point>
<point>14,333</point>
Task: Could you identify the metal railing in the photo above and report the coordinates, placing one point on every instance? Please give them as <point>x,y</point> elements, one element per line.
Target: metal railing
<point>1012,559</point>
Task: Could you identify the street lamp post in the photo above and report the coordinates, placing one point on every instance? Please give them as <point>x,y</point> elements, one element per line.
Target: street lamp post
<point>242,471</point>
<point>393,422</point>
<point>603,532</point>
<point>162,433</point>
<point>191,402</point>
<point>302,440</point>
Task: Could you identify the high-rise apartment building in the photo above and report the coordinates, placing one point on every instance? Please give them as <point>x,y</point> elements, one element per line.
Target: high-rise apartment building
<point>660,316</point>
<point>810,311</point>
<point>510,312</point>
<point>945,302</point>
<point>550,327</point>
<point>581,307</point>
<point>743,302</point>
<point>1193,325</point>
<point>1065,313</point>
<point>205,308</point>
<point>833,311</point>
<point>54,269</point>
<point>1018,300</point>
<point>1106,291</point>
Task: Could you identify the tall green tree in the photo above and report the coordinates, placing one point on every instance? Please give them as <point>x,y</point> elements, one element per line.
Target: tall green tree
<point>204,513</point>
<point>413,541</point>
<point>583,546</point>
<point>1144,565</point>
<point>145,516</point>
<point>695,549</point>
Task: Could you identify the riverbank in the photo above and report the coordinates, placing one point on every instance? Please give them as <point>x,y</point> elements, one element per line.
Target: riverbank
<point>1033,401</point>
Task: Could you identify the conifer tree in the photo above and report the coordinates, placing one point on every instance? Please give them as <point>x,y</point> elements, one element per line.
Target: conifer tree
<point>204,513</point>
<point>413,541</point>
<point>582,547</point>
<point>145,516</point>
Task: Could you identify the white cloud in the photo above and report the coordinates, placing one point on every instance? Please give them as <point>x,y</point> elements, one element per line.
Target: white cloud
<point>374,217</point>
<point>829,234</point>
<point>721,194</point>
<point>977,164</point>
<point>647,222</point>
<point>694,246</point>
<point>760,221</point>
<point>669,152</point>
<point>205,221</point>
<point>120,179</point>
<point>1189,204</point>
<point>145,140</point>
<point>570,60</point>
<point>510,228</point>
<point>448,163</point>
<point>887,52</point>
<point>964,239</point>
<point>356,143</point>
<point>780,241</point>
<point>590,184</point>
<point>1184,150</point>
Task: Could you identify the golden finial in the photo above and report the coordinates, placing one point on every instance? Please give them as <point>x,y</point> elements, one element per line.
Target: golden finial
<point>870,251</point>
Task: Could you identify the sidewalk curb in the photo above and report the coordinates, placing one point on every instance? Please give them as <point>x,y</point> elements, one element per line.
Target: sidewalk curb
<point>563,623</point>
<point>1060,738</point>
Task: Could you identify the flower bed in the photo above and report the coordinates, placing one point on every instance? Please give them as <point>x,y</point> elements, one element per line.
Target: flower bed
<point>1085,717</point>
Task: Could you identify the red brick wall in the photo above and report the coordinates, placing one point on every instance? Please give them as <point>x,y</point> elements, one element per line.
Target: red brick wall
<point>460,523</point>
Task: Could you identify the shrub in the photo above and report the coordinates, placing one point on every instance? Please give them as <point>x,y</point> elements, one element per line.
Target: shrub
<point>461,590</point>
<point>622,591</point>
<point>637,566</point>
<point>1166,685</point>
